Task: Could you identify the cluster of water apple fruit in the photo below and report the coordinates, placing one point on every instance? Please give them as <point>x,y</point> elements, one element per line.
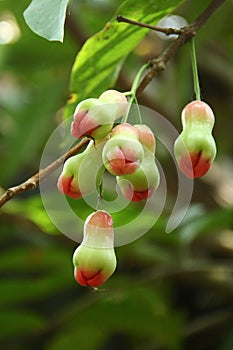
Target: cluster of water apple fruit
<point>127,152</point>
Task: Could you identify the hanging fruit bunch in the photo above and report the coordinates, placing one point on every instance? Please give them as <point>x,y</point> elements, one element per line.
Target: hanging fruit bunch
<point>127,152</point>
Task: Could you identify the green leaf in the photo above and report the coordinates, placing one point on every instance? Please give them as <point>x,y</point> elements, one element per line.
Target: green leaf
<point>46,18</point>
<point>97,65</point>
<point>199,222</point>
<point>32,209</point>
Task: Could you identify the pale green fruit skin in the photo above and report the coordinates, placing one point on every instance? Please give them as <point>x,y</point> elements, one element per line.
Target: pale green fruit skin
<point>195,139</point>
<point>95,259</point>
<point>146,137</point>
<point>102,131</point>
<point>117,102</point>
<point>113,96</point>
<point>127,130</point>
<point>86,168</point>
<point>147,175</point>
<point>98,230</point>
<point>195,147</point>
<point>198,112</point>
<point>85,105</point>
<point>97,110</point>
<point>124,143</point>
<point>101,115</point>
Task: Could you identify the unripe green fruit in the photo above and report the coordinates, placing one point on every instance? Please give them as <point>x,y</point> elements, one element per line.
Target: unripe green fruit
<point>117,102</point>
<point>113,96</point>
<point>195,148</point>
<point>146,137</point>
<point>143,182</point>
<point>123,152</point>
<point>91,118</point>
<point>197,139</point>
<point>125,129</point>
<point>82,173</point>
<point>94,260</point>
<point>95,117</point>
<point>198,112</point>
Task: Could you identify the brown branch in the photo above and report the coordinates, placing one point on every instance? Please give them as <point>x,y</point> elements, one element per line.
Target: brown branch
<point>167,31</point>
<point>33,181</point>
<point>157,66</point>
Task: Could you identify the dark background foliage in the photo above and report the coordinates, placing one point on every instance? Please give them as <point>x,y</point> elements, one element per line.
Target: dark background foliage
<point>170,291</point>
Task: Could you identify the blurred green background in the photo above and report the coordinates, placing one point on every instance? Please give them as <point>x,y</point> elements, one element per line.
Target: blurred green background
<point>170,291</point>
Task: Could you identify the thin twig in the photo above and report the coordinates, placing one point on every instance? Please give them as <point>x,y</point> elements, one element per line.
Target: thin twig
<point>158,64</point>
<point>156,67</point>
<point>33,181</point>
<point>167,31</point>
